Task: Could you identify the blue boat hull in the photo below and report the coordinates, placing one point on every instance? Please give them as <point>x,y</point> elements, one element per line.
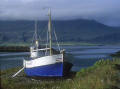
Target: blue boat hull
<point>46,70</point>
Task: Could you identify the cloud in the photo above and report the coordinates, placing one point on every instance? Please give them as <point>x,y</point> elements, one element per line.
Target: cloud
<point>105,11</point>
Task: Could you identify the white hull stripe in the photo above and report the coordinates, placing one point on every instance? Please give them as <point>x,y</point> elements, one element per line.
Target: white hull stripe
<point>42,61</point>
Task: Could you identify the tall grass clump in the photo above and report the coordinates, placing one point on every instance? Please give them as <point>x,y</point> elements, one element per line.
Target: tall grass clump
<point>100,76</point>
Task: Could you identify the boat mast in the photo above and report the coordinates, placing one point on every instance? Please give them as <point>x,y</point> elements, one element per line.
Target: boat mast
<point>36,37</point>
<point>50,31</point>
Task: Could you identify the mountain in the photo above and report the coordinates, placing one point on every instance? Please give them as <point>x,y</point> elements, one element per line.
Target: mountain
<point>110,39</point>
<point>67,30</point>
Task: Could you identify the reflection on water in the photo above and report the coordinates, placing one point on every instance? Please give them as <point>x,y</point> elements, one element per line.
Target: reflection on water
<point>84,56</point>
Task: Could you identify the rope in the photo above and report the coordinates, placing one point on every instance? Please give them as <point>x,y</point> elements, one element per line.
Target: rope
<point>17,72</point>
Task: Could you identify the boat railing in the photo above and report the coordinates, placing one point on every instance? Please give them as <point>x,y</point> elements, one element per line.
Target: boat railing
<point>35,50</point>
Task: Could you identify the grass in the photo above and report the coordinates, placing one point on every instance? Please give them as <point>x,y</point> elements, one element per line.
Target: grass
<point>104,74</point>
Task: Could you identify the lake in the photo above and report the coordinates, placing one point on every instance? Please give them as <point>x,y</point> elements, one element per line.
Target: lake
<point>84,56</point>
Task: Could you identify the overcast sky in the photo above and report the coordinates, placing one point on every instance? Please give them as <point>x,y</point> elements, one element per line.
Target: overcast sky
<point>105,11</point>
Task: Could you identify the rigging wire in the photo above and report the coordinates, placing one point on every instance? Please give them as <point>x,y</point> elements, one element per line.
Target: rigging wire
<point>56,39</point>
<point>39,36</point>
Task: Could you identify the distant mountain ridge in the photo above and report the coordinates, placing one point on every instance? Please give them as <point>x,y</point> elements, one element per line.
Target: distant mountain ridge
<point>68,30</point>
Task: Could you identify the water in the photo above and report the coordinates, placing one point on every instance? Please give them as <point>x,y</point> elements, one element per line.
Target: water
<point>84,56</point>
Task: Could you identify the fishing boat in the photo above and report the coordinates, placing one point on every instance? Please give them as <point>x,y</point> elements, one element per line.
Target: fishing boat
<point>46,61</point>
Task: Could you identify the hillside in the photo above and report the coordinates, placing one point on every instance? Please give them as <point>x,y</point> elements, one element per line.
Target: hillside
<point>111,38</point>
<point>68,30</point>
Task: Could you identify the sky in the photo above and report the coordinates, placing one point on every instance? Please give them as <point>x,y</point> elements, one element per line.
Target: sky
<point>104,11</point>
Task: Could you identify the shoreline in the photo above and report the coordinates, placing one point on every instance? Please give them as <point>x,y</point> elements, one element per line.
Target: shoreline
<point>24,47</point>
